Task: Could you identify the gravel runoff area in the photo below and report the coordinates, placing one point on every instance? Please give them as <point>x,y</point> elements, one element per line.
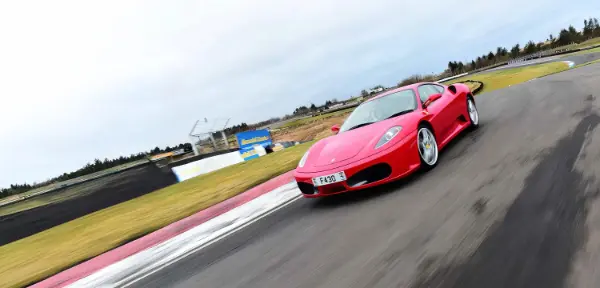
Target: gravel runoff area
<point>513,204</point>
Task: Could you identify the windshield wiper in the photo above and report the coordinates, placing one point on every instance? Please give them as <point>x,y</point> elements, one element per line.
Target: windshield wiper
<point>399,113</point>
<point>360,125</point>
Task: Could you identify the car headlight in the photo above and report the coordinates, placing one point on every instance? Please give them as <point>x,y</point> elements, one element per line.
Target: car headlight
<point>388,136</point>
<point>303,160</point>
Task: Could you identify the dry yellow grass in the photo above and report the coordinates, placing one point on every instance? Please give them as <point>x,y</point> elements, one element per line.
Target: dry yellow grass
<point>314,130</point>
<point>36,257</point>
<point>589,42</point>
<point>309,120</point>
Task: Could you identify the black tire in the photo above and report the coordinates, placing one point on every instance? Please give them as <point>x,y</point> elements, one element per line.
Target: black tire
<point>427,163</point>
<point>474,123</point>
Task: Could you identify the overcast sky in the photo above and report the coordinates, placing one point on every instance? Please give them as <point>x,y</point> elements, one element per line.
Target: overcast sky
<point>91,79</point>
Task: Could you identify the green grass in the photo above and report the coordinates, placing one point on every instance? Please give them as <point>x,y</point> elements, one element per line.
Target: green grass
<point>41,255</point>
<point>503,78</point>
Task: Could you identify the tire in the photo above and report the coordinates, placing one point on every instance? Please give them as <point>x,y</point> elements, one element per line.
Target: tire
<point>473,113</point>
<point>428,148</point>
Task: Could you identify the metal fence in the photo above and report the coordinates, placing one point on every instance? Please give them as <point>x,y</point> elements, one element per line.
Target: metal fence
<point>208,135</point>
<point>540,54</point>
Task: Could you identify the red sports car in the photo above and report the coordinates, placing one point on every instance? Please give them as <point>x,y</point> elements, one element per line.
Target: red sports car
<point>386,138</point>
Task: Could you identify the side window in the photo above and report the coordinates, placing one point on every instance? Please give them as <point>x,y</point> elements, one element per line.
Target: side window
<point>425,91</point>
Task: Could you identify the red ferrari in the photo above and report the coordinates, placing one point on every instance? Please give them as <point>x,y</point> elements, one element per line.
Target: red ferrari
<point>386,138</point>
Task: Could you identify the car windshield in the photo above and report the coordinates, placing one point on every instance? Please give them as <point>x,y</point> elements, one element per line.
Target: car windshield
<point>380,109</point>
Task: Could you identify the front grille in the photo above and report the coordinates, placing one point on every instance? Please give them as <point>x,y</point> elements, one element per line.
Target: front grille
<point>306,188</point>
<point>369,175</point>
<point>332,188</point>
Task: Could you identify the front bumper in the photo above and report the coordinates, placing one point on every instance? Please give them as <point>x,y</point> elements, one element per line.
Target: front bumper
<point>394,162</point>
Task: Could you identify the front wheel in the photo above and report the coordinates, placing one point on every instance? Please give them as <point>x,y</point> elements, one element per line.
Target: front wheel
<point>473,113</point>
<point>428,149</point>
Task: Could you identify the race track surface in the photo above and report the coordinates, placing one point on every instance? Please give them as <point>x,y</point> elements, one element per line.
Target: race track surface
<point>512,204</point>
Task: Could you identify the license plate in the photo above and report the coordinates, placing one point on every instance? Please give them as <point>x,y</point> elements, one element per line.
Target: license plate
<point>329,179</point>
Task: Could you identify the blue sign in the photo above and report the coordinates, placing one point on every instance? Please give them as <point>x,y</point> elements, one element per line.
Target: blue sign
<point>247,140</point>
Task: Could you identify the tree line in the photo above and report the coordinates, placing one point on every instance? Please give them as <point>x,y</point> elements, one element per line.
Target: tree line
<point>566,36</point>
<point>304,110</point>
<point>298,111</point>
<point>95,166</point>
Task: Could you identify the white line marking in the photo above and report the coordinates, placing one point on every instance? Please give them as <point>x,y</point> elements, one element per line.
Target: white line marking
<point>219,238</point>
<point>147,262</point>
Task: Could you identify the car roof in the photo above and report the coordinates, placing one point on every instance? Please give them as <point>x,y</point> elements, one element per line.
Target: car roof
<point>411,86</point>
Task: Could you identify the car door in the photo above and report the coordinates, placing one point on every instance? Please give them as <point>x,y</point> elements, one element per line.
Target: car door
<point>456,105</point>
<point>442,115</point>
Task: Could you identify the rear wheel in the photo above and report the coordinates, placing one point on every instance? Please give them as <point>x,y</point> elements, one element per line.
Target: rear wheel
<point>473,113</point>
<point>428,149</point>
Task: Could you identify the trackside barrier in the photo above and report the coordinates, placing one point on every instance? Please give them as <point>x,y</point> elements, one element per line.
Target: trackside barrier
<point>203,166</point>
<point>452,77</point>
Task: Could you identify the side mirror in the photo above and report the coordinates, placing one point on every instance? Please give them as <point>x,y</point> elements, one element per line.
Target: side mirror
<point>432,98</point>
<point>335,128</point>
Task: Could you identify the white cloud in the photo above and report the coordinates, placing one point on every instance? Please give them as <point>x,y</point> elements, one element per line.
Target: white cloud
<point>84,79</point>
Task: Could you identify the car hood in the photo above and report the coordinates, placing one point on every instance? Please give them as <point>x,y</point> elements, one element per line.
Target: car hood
<point>340,147</point>
<point>347,147</point>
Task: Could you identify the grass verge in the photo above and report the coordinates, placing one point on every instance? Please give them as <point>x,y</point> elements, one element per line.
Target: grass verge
<point>39,256</point>
<point>503,78</point>
<point>589,42</point>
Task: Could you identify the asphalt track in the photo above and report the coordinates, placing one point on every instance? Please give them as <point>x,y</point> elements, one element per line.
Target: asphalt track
<point>512,204</point>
